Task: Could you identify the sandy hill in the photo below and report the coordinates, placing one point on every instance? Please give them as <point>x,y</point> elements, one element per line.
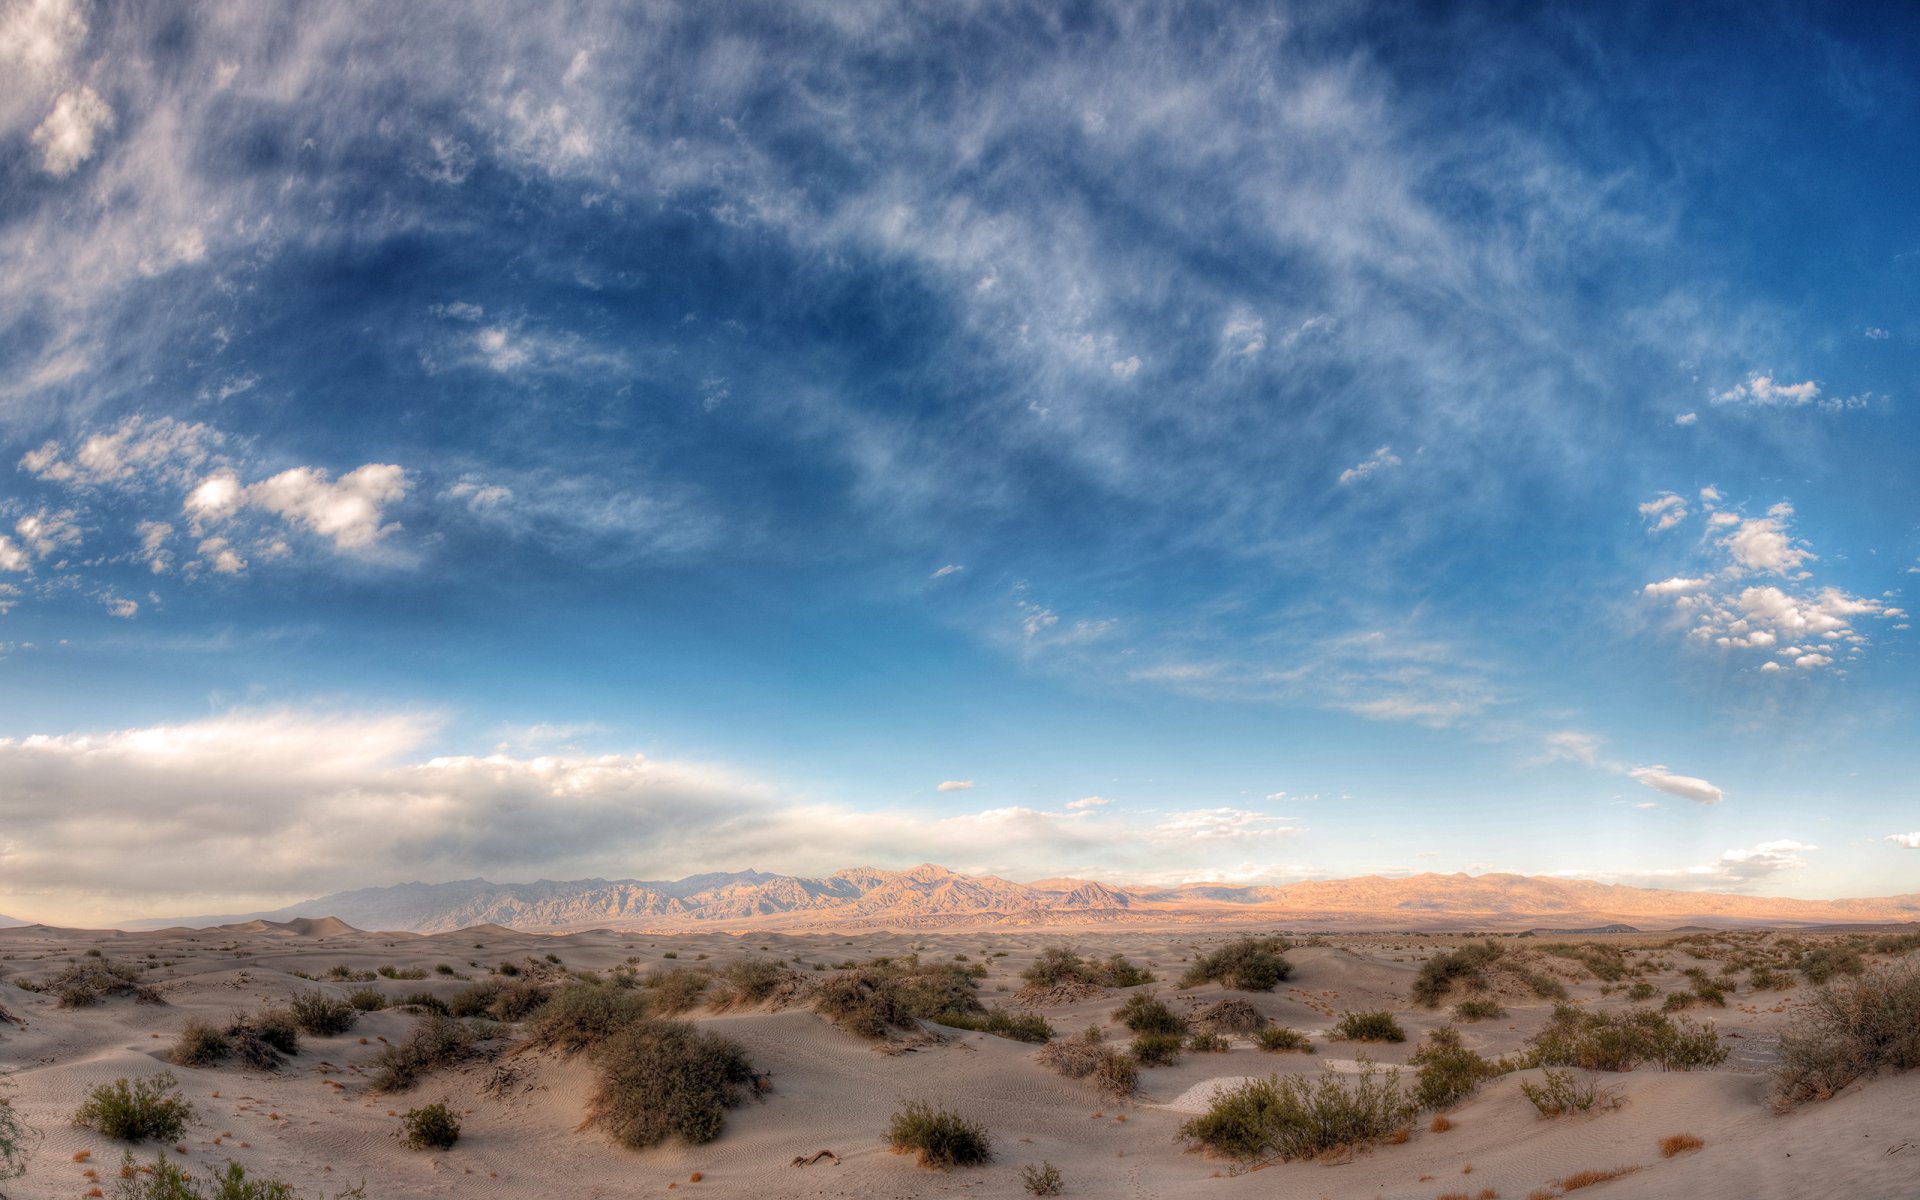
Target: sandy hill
<point>929,896</point>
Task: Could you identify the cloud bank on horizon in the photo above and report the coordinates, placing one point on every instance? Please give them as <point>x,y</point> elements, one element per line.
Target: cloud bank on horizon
<point>1245,442</point>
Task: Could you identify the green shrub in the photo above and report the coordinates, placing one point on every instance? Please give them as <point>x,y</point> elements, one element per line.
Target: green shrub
<point>1021,1027</point>
<point>1043,1180</point>
<point>1375,1025</point>
<point>1678,1002</point>
<point>320,1015</point>
<point>661,1079</point>
<point>1467,965</point>
<point>1245,965</point>
<point>677,990</point>
<point>1201,1042</point>
<point>1642,990</point>
<point>1156,1049</point>
<point>84,984</point>
<point>278,1029</point>
<point>1146,1013</point>
<point>1621,1041</point>
<point>1561,1092</point>
<point>939,1137</point>
<point>1606,962</point>
<point>163,1180</point>
<point>1286,1117</point>
<point>1822,963</point>
<point>367,999</point>
<point>436,1041</point>
<point>1478,1010</point>
<point>251,1047</point>
<point>139,1110</point>
<point>346,974</point>
<point>578,1016</point>
<point>1766,979</point>
<point>434,1127</point>
<point>888,994</point>
<point>15,1142</point>
<point>515,1000</point>
<point>1448,1071</point>
<point>200,1044</point>
<point>1088,1057</point>
<point>749,981</point>
<point>390,972</point>
<point>1277,1039</point>
<point>1546,986</point>
<point>1849,1029</point>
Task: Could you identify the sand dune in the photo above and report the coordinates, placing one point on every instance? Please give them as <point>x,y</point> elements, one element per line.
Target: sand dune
<point>319,1124</point>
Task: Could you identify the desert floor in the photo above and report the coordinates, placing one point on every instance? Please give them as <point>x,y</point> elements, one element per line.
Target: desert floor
<point>318,1124</point>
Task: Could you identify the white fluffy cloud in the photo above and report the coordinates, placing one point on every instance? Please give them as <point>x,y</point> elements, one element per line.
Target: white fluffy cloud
<point>956,785</point>
<point>65,138</point>
<point>1910,841</point>
<point>1663,512</point>
<point>1687,787</point>
<point>1733,869</point>
<point>1380,460</point>
<point>1763,390</point>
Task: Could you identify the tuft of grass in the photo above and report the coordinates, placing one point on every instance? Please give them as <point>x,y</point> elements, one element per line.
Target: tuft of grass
<point>320,1015</point>
<point>1279,1039</point>
<point>1440,1125</point>
<point>1851,1028</point>
<point>661,1079</point>
<point>1369,1025</point>
<point>1245,965</point>
<point>139,1110</point>
<point>434,1127</point>
<point>1679,1143</point>
<point>1586,1179</point>
<point>1043,1180</point>
<point>1285,1117</point>
<point>1478,1010</point>
<point>938,1137</point>
<point>1561,1092</point>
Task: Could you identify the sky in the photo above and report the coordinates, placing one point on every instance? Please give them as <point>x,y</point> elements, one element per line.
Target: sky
<point>1157,443</point>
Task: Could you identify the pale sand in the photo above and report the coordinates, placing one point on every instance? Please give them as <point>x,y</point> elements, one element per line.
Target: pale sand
<point>834,1091</point>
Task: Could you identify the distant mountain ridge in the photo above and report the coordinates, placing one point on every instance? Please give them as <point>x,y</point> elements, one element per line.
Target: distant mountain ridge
<point>932,896</point>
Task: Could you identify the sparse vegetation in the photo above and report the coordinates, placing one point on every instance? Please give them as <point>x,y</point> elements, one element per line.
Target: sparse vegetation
<point>1043,1180</point>
<point>1231,1016</point>
<point>436,1041</point>
<point>1478,1010</point>
<point>1586,1179</point>
<point>433,1127</point>
<point>1156,1049</point>
<point>675,991</point>
<point>1089,1057</point>
<point>367,999</point>
<point>1202,1042</point>
<point>93,979</point>
<point>1822,963</point>
<point>200,1044</point>
<point>1850,1029</point>
<point>579,1016</point>
<point>138,1110</point>
<point>320,1015</point>
<point>1146,1013</point>
<point>1621,1041</point>
<point>163,1180</point>
<point>887,994</point>
<point>1279,1039</point>
<point>1021,1027</point>
<point>748,982</point>
<point>938,1137</point>
<point>15,1141</point>
<point>1376,1025</point>
<point>1059,965</point>
<point>660,1079</point>
<point>1448,1071</point>
<point>1246,965</point>
<point>1561,1092</point>
<point>1287,1117</point>
<point>1466,966</point>
<point>1679,1143</point>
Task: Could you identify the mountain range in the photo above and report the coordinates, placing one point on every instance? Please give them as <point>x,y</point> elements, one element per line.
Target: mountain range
<point>929,896</point>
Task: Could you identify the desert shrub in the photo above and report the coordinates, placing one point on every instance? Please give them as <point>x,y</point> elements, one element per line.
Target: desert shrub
<point>15,1142</point>
<point>1277,1039</point>
<point>1822,963</point>
<point>891,994</point>
<point>1202,1042</point>
<point>1448,1071</point>
<point>1118,971</point>
<point>747,982</point>
<point>1546,986</point>
<point>1467,965</point>
<point>436,1041</point>
<point>320,1015</point>
<point>1021,1027</point>
<point>1561,1092</point>
<point>1587,1179</point>
<point>434,1127</point>
<point>1620,1041</point>
<point>278,1029</point>
<point>516,1000</point>
<point>1678,1002</point>
<point>1088,1057</point>
<point>1231,1016</point>
<point>578,1016</point>
<point>392,972</point>
<point>1146,1013</point>
<point>1246,965</point>
<point>163,1180</point>
<point>677,990</point>
<point>1896,943</point>
<point>1043,1180</point>
<point>85,983</point>
<point>1642,990</point>
<point>1606,962</point>
<point>1156,1049</point>
<point>1375,1025</point>
<point>660,1079</point>
<point>938,1137</point>
<point>346,974</point>
<point>200,1044</point>
<point>367,999</point>
<point>1710,992</point>
<point>137,1110</point>
<point>1679,1143</point>
<point>1478,1010</point>
<point>1057,965</point>
<point>1289,1116</point>
<point>1849,1029</point>
<point>251,1047</point>
<point>1764,978</point>
<point>475,999</point>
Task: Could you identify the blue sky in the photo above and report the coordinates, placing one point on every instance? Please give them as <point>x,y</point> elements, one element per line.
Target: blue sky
<point>1241,441</point>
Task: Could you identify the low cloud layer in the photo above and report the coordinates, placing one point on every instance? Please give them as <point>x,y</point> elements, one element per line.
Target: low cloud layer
<point>270,807</point>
